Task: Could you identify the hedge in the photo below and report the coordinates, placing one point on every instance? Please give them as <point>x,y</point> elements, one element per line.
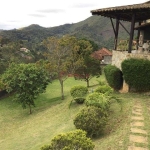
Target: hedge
<point>114,77</point>
<point>136,73</point>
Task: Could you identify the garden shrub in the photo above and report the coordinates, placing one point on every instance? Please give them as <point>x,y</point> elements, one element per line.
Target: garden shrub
<point>136,73</point>
<point>114,77</point>
<point>98,100</point>
<point>92,120</point>
<point>74,140</point>
<point>2,85</point>
<point>102,100</point>
<point>105,89</point>
<point>79,93</point>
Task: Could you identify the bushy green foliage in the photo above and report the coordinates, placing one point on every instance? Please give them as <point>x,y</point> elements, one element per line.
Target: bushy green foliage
<point>2,85</point>
<point>74,140</point>
<point>136,73</point>
<point>98,100</point>
<point>27,81</point>
<point>102,98</point>
<point>101,82</point>
<point>105,89</point>
<point>124,44</point>
<point>90,68</point>
<point>79,93</point>
<point>92,120</point>
<point>113,76</point>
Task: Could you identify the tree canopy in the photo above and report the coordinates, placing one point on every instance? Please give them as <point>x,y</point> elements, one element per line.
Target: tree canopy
<point>27,81</point>
<point>90,67</point>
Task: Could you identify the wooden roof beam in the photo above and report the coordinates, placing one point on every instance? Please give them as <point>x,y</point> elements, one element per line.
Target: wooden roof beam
<point>124,27</point>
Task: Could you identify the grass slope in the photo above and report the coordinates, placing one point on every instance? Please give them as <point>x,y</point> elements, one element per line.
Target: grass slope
<point>51,116</point>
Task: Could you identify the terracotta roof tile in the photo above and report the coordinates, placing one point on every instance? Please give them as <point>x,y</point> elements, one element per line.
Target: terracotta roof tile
<point>101,53</point>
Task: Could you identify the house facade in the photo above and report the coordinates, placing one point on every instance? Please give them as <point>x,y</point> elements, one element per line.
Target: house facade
<point>103,55</point>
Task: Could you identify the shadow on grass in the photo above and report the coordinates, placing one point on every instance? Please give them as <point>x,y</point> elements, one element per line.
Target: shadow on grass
<point>55,100</point>
<point>74,105</point>
<point>44,103</point>
<point>95,85</point>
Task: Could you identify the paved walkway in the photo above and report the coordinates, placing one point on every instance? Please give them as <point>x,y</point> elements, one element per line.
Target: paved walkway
<point>138,136</point>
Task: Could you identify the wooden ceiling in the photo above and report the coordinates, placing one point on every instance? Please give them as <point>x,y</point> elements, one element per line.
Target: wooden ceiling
<point>141,11</point>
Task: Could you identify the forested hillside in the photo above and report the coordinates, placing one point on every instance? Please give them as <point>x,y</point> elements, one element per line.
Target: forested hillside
<point>95,28</point>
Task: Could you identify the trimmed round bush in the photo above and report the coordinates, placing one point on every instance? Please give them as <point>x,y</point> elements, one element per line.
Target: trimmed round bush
<point>74,140</point>
<point>79,100</point>
<point>92,120</point>
<point>98,100</point>
<point>136,73</point>
<point>105,89</point>
<point>114,77</point>
<point>79,93</point>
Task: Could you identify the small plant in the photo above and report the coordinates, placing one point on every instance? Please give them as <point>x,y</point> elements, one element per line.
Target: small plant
<point>74,140</point>
<point>92,120</point>
<point>98,100</point>
<point>79,93</point>
<point>105,89</point>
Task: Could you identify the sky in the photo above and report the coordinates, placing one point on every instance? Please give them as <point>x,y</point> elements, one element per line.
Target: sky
<point>15,14</point>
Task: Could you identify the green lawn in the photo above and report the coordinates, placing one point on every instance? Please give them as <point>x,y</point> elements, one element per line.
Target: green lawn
<point>21,131</point>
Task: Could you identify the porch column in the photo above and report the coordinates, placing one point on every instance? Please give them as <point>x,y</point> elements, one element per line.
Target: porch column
<point>131,33</point>
<point>138,35</point>
<point>116,33</point>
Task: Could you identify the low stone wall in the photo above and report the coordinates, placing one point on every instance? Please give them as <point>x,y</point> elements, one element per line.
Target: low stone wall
<point>119,56</point>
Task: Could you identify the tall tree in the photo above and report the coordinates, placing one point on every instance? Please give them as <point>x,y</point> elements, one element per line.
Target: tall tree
<point>27,81</point>
<point>90,67</point>
<point>60,56</point>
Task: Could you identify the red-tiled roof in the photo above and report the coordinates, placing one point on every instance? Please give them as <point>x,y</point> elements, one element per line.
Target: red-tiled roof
<point>104,52</point>
<point>101,53</point>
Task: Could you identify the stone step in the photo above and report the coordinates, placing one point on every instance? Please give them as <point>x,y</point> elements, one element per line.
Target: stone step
<point>137,124</point>
<point>138,110</point>
<point>136,113</point>
<point>138,139</point>
<point>137,106</point>
<point>137,118</point>
<point>136,148</point>
<point>136,130</point>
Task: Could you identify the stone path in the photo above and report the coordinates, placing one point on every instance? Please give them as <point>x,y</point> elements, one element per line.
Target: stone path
<point>138,136</point>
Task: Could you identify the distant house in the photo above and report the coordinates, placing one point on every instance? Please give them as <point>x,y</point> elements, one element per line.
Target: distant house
<point>103,55</point>
<point>24,50</point>
<point>25,53</point>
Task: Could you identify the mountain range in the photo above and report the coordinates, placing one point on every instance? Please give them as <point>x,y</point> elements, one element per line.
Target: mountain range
<point>94,28</point>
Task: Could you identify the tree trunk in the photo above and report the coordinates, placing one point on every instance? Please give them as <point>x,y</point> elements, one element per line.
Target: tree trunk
<point>62,88</point>
<point>87,82</point>
<point>30,109</point>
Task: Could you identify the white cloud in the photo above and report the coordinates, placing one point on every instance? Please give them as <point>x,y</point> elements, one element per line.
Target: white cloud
<point>21,13</point>
<point>51,11</point>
